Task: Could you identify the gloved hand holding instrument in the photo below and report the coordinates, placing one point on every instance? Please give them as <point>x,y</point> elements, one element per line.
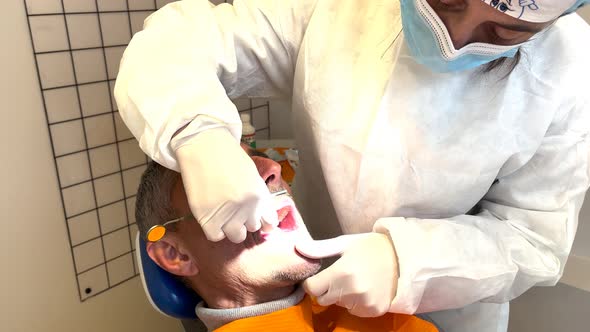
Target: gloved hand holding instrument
<point>225,192</point>
<point>363,280</point>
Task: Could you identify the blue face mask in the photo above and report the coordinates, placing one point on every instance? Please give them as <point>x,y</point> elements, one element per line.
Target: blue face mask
<point>431,44</point>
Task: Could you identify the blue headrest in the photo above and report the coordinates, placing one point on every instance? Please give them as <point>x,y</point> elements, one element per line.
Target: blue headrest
<point>166,293</point>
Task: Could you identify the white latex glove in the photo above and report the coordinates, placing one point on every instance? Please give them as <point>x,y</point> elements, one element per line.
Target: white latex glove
<point>225,193</point>
<point>363,280</point>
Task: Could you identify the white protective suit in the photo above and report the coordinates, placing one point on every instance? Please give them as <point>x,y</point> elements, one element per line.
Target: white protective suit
<point>477,177</point>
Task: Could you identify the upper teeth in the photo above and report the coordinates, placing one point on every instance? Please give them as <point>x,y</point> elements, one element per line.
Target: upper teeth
<point>282,213</point>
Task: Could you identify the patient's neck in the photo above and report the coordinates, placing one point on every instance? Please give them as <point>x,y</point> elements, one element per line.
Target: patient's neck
<point>232,293</point>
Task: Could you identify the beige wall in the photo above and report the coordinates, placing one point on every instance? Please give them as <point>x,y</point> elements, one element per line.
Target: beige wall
<point>37,283</point>
<point>585,12</point>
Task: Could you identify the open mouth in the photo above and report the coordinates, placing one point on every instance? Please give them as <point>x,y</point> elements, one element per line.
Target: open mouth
<point>287,221</point>
<point>287,215</point>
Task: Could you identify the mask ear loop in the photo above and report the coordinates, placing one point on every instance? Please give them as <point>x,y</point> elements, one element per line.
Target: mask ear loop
<point>157,232</point>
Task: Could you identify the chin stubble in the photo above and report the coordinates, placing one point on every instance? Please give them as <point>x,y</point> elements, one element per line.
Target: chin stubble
<point>299,273</point>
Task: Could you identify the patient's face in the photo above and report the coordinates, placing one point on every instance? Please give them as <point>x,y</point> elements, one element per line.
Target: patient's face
<point>265,258</point>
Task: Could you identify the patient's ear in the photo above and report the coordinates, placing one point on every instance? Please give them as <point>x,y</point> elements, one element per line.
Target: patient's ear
<point>171,257</point>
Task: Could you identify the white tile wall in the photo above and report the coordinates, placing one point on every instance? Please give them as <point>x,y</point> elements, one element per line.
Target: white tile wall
<point>55,69</point>
<point>111,5</point>
<point>113,101</point>
<point>49,33</point>
<point>162,3</point>
<point>134,255</point>
<point>86,135</point>
<point>83,30</point>
<point>88,255</point>
<point>131,154</point>
<point>141,4</point>
<point>137,19</point>
<point>122,130</point>
<point>260,118</point>
<point>103,160</point>
<point>78,199</point>
<point>99,199</point>
<point>114,55</point>
<point>100,130</point>
<point>262,134</point>
<point>61,104</point>
<point>112,217</point>
<point>133,230</point>
<point>108,189</point>
<point>67,137</point>
<point>256,102</point>
<point>94,98</point>
<point>131,210</point>
<point>83,227</point>
<point>116,243</point>
<point>43,6</point>
<point>73,168</point>
<point>89,65</point>
<point>120,269</point>
<point>260,114</point>
<point>93,281</point>
<point>131,180</point>
<point>79,6</point>
<point>115,28</point>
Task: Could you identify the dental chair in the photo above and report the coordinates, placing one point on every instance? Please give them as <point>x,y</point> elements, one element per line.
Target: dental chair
<point>167,294</point>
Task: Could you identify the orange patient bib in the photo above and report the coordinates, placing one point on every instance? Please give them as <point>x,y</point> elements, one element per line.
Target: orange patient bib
<point>308,317</point>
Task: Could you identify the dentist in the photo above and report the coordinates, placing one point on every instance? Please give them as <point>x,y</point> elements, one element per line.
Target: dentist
<point>448,139</point>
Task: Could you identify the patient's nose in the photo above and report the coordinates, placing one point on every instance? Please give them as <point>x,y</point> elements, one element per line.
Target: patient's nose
<point>269,170</point>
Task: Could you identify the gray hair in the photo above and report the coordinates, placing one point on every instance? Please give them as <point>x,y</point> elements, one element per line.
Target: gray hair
<point>153,202</point>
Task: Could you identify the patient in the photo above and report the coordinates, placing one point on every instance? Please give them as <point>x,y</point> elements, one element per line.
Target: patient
<point>253,285</point>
